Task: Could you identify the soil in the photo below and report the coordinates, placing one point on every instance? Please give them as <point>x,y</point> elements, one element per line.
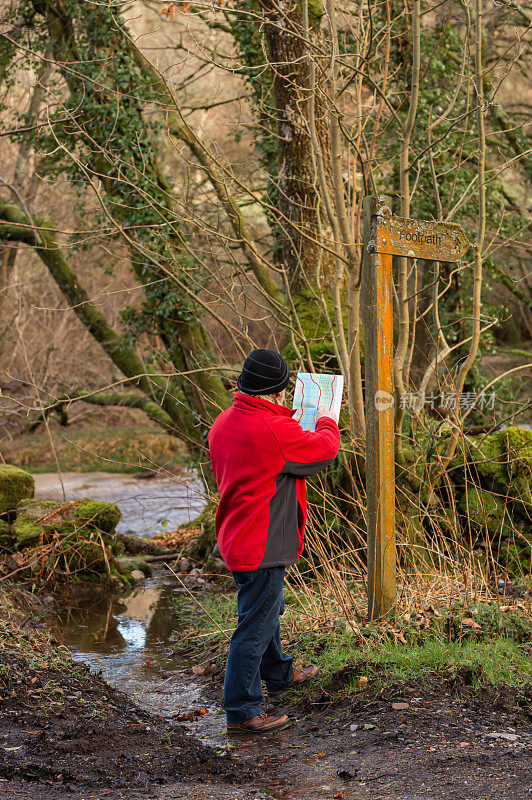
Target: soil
<point>64,733</point>
<point>69,734</point>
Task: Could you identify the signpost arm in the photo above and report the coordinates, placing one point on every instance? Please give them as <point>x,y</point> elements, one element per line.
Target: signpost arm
<point>377,316</point>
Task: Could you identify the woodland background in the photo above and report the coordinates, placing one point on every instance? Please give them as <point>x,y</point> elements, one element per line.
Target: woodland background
<point>182,182</point>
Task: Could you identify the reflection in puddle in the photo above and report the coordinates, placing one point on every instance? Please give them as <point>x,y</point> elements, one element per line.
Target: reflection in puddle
<point>133,632</point>
<point>129,642</point>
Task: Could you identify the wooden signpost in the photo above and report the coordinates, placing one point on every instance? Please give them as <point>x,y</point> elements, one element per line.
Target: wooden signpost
<point>384,237</point>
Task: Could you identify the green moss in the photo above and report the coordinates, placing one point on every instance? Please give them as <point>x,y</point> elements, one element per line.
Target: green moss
<point>202,545</point>
<point>26,533</point>
<point>37,508</point>
<point>98,514</point>
<point>15,485</point>
<point>317,331</point>
<point>505,459</point>
<point>78,536</point>
<point>508,452</point>
<point>145,568</point>
<point>315,11</point>
<point>117,549</point>
<point>481,505</point>
<point>6,536</point>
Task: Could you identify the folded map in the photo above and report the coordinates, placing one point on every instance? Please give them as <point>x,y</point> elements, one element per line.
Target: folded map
<point>313,390</point>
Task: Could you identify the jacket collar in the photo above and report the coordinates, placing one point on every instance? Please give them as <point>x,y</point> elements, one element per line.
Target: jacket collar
<point>246,402</point>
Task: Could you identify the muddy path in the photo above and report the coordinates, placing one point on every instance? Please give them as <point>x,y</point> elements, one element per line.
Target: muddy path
<point>127,717</point>
<point>92,742</point>
<point>138,723</point>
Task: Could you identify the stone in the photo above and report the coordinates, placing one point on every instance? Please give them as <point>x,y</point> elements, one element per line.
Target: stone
<point>509,737</point>
<point>184,565</point>
<point>126,563</point>
<point>15,485</point>
<point>98,514</point>
<point>400,706</point>
<point>137,575</point>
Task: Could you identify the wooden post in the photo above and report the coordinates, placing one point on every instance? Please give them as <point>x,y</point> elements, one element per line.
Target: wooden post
<point>377,316</point>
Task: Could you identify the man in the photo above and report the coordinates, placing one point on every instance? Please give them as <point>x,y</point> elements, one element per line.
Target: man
<point>260,456</point>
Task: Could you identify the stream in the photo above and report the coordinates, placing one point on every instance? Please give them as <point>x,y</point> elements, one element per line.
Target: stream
<point>131,641</point>
<point>128,640</point>
<point>149,505</point>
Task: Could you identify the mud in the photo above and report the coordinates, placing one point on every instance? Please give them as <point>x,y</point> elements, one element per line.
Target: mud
<point>68,735</point>
<point>142,724</point>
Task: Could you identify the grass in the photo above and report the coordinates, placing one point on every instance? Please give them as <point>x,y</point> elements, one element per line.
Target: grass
<point>109,449</point>
<point>494,643</point>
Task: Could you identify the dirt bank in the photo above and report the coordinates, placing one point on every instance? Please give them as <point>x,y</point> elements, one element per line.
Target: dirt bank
<point>65,733</point>
<point>432,739</point>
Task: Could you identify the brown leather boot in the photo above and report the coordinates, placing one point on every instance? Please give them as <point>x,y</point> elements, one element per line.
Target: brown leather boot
<point>260,724</point>
<point>300,676</point>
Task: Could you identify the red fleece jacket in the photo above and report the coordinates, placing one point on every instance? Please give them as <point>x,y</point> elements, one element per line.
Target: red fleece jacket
<point>260,457</point>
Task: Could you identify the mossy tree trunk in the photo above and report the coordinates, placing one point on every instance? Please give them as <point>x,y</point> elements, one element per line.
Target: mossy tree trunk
<point>298,217</point>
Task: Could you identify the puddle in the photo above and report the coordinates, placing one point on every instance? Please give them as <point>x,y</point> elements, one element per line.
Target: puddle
<point>129,642</point>
<point>147,505</point>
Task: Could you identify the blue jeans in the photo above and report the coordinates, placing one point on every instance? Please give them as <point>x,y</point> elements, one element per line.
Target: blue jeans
<point>255,652</point>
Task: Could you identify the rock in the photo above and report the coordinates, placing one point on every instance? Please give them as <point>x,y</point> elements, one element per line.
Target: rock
<point>137,575</point>
<point>389,736</point>
<point>15,485</point>
<point>6,535</point>
<point>83,513</point>
<point>140,545</point>
<point>400,706</point>
<point>353,728</point>
<point>104,516</point>
<point>184,565</point>
<point>26,533</point>
<point>509,737</point>
<point>347,772</point>
<point>126,563</point>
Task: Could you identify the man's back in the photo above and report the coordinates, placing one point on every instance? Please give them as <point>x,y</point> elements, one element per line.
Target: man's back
<point>259,456</point>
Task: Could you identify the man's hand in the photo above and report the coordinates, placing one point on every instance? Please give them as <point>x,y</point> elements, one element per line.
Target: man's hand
<point>322,412</point>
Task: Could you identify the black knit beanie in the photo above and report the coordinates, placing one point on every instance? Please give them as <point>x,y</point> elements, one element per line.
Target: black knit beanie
<point>263,372</point>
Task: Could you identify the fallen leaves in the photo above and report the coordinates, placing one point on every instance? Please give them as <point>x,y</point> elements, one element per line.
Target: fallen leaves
<point>471,623</point>
<point>200,670</point>
<point>167,10</point>
<point>362,681</point>
<point>190,716</point>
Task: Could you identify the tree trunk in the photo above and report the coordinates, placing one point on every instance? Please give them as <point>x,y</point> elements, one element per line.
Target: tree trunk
<point>296,181</point>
